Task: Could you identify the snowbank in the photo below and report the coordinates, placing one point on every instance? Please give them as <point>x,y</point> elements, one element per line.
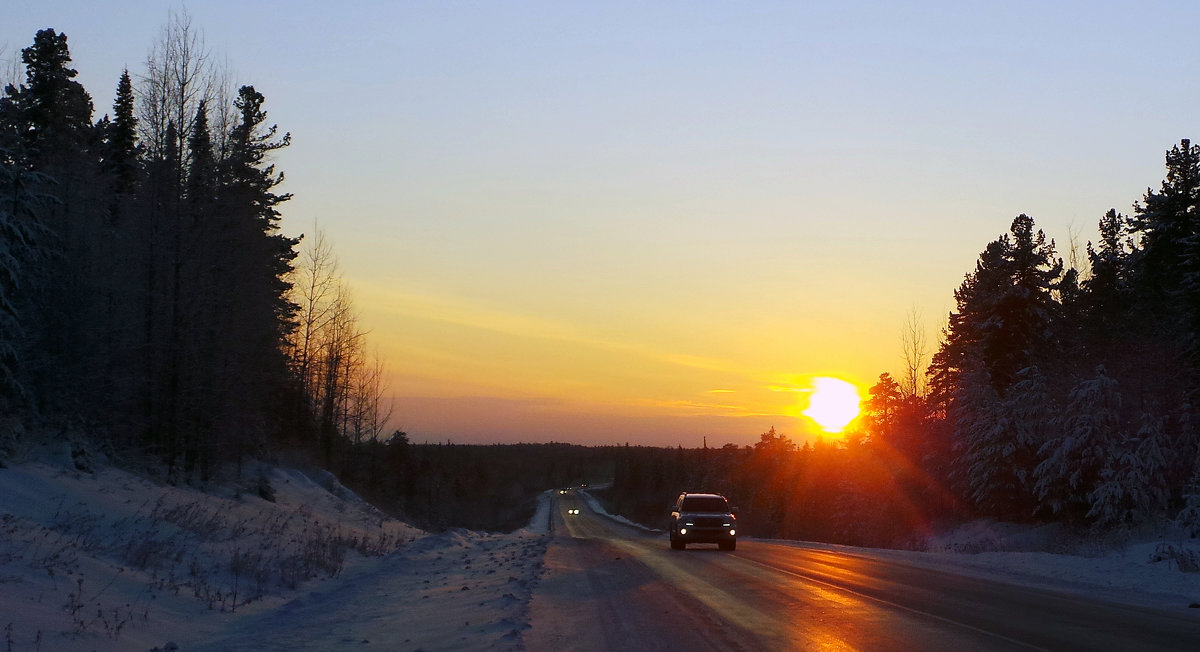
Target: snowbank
<point>595,506</point>
<point>108,560</point>
<point>458,590</point>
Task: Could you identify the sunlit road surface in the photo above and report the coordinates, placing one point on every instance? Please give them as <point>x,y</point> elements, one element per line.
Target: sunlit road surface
<point>611,587</point>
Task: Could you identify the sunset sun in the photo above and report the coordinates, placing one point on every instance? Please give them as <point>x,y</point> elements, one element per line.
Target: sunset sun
<point>833,404</point>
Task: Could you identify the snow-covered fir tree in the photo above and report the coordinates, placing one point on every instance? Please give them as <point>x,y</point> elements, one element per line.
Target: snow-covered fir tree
<point>1071,463</point>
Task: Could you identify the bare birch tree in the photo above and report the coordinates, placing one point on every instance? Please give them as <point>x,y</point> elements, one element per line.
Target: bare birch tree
<point>179,77</point>
<point>315,284</point>
<point>369,405</point>
<point>10,68</point>
<point>914,344</point>
<point>344,390</point>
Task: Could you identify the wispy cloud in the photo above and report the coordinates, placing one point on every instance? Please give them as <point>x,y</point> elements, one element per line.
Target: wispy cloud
<point>468,314</point>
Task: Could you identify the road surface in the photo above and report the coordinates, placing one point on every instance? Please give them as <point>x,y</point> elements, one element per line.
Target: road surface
<point>613,587</point>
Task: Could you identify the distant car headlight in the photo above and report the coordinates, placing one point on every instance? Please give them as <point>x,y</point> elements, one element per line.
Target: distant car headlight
<point>733,533</point>
<point>683,530</point>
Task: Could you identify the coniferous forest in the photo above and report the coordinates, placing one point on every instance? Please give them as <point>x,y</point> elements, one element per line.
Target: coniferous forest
<point>149,302</point>
<point>152,309</point>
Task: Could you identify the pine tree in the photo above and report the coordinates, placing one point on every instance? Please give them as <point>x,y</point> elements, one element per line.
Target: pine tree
<point>1003,330</point>
<point>1005,311</point>
<point>1108,284</point>
<point>1168,224</point>
<point>882,409</point>
<point>1167,262</point>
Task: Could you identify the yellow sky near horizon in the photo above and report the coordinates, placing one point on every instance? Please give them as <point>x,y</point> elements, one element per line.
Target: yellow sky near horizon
<point>458,350</point>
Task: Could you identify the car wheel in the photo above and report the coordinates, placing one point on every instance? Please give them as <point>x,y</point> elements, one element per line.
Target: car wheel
<point>728,545</point>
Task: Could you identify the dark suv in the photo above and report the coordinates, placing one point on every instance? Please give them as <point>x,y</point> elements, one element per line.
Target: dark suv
<point>702,518</point>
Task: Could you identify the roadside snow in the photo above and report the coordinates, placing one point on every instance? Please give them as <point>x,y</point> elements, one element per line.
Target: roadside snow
<point>108,560</point>
<point>599,509</point>
<point>111,561</point>
<point>458,590</point>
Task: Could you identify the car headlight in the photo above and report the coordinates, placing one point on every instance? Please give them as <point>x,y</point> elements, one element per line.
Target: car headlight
<point>733,533</point>
<point>689,524</point>
<point>683,530</point>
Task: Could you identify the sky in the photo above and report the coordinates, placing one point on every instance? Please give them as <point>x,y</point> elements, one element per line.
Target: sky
<point>656,223</point>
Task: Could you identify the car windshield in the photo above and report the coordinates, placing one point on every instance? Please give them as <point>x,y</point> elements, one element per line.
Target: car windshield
<point>705,504</point>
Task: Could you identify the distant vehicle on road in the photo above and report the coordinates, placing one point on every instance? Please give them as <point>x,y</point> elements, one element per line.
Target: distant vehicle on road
<point>702,518</point>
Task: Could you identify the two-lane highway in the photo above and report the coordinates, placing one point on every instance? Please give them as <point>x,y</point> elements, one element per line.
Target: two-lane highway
<point>613,587</point>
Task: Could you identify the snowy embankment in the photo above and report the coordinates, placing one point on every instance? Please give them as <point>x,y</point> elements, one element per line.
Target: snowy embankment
<point>107,560</point>
<point>1134,573</point>
<point>458,590</point>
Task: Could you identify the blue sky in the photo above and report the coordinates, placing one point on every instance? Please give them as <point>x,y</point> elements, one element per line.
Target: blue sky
<point>602,213</point>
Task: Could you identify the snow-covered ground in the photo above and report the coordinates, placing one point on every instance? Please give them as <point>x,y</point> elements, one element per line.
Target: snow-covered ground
<point>108,560</point>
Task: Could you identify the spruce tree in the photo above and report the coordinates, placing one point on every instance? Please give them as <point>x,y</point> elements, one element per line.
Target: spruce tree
<point>120,139</point>
<point>260,262</point>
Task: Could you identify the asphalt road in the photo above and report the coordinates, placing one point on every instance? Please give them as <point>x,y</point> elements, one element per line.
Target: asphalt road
<point>613,587</point>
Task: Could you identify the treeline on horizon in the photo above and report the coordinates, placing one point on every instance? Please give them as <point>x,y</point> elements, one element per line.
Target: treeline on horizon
<point>151,308</point>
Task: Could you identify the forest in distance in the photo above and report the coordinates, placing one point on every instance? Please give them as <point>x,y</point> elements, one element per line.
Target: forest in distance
<point>151,310</point>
